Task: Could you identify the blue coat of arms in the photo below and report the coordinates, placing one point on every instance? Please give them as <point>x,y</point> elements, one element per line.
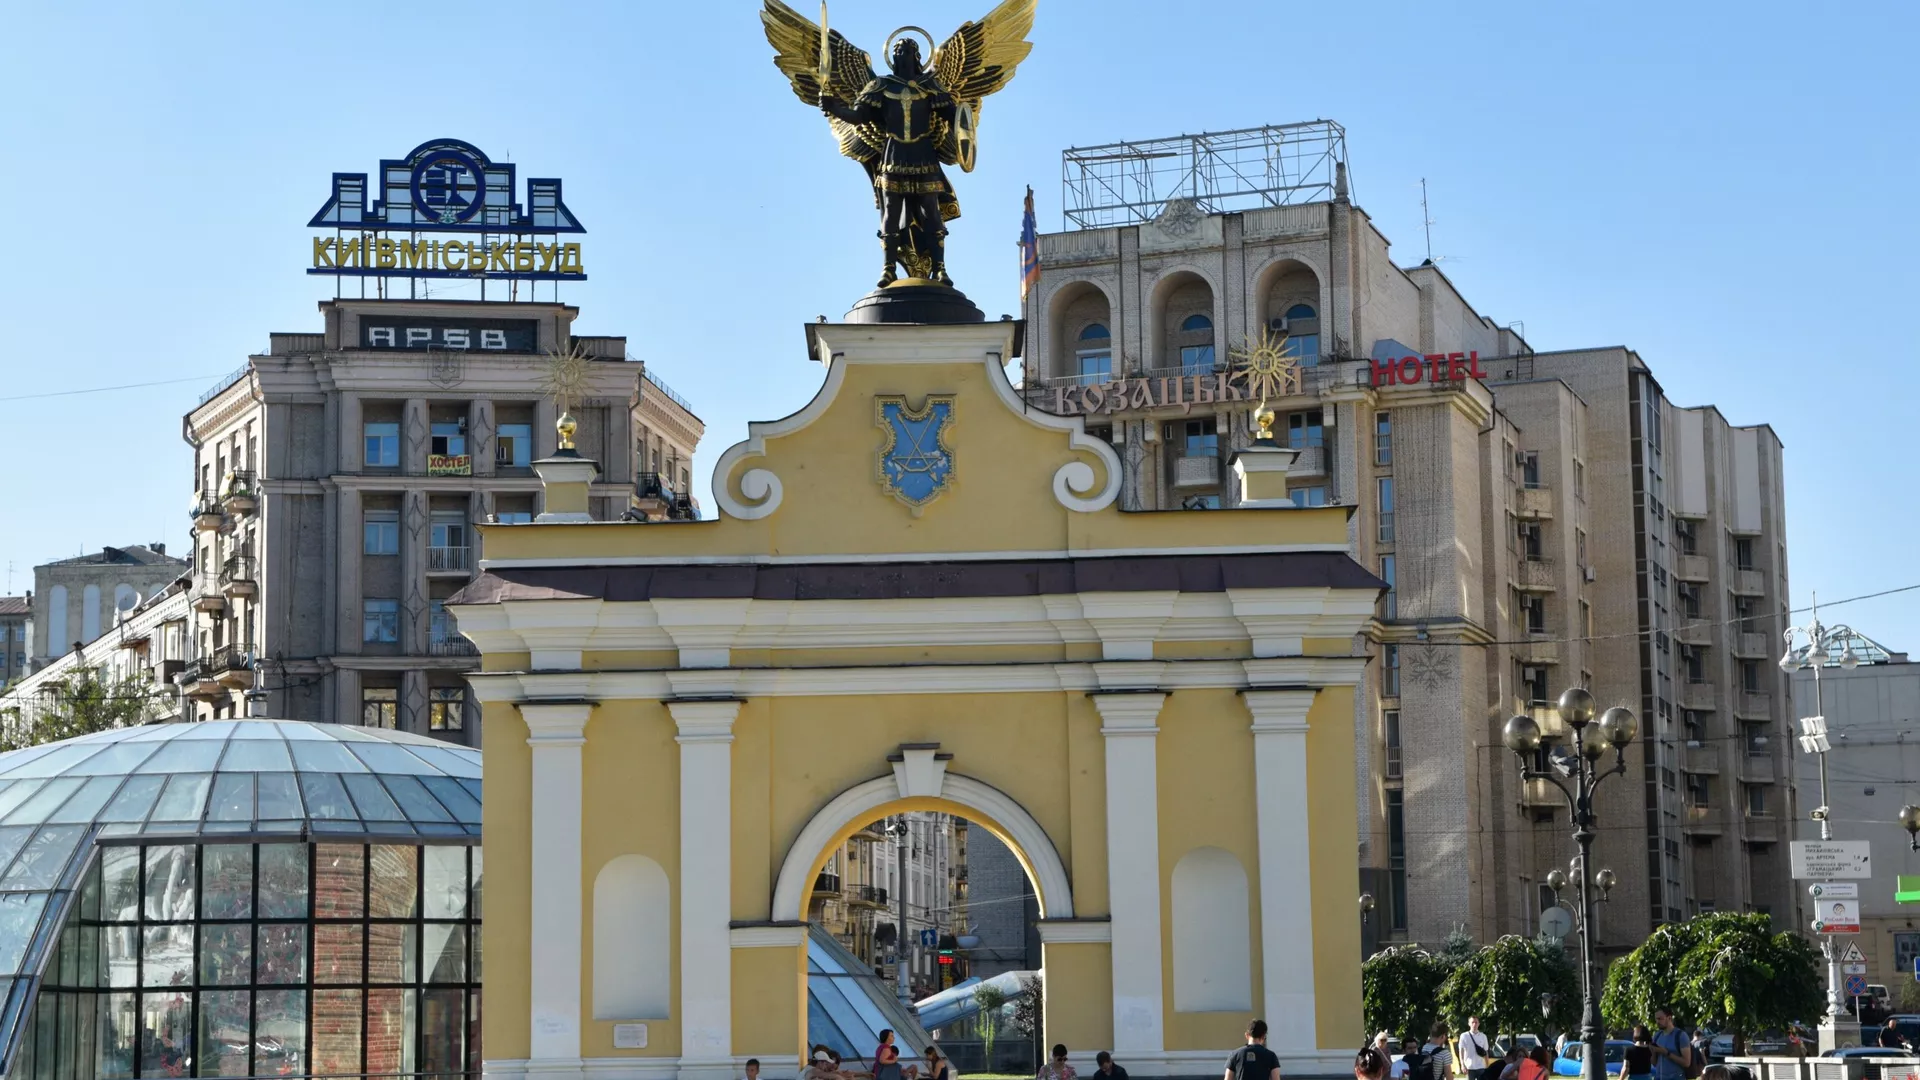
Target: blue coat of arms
<point>916,464</point>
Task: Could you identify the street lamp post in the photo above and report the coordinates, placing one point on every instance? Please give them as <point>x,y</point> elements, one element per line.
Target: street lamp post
<point>1615,729</point>
<point>1910,821</point>
<point>1813,740</point>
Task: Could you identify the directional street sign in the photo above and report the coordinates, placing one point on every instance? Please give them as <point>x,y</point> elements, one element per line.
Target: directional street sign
<point>1836,916</point>
<point>1824,859</point>
<point>1856,985</point>
<point>1835,890</point>
<point>1853,955</point>
<point>1853,969</point>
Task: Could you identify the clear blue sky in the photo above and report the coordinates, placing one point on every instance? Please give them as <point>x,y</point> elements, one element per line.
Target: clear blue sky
<point>1727,188</point>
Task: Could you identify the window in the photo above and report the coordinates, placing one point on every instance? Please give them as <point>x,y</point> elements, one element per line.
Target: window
<point>1389,602</point>
<point>1396,859</point>
<point>1755,736</point>
<point>1579,479</point>
<point>1536,607</point>
<point>1095,354</point>
<point>514,517</point>
<point>447,540</point>
<point>447,708</point>
<point>1696,664</point>
<point>1390,671</point>
<point>380,707</point>
<point>1313,495</point>
<point>1750,677</point>
<point>1384,487</point>
<point>380,620</point>
<point>1390,719</point>
<point>1745,608</point>
<point>1202,438</point>
<point>1533,682</point>
<point>449,438</point>
<point>1196,354</point>
<point>514,450</point>
<point>383,445</point>
<point>1530,468</point>
<point>1530,541</point>
<point>1689,600</point>
<point>381,533</point>
<point>1382,438</point>
<point>1302,327</point>
<point>1304,429</point>
<point>1580,548</point>
<point>1200,502</point>
<point>1690,724</point>
<point>1699,791</point>
<point>1743,552</point>
<point>1686,536</point>
<point>1756,800</point>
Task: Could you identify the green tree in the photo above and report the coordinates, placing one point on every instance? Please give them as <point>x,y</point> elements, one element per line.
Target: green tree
<point>1399,987</point>
<point>991,1000</point>
<point>84,702</point>
<point>1503,984</point>
<point>1726,970</point>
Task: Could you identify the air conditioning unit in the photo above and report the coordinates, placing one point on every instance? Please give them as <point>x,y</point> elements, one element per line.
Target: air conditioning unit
<point>1519,457</point>
<point>1588,571</point>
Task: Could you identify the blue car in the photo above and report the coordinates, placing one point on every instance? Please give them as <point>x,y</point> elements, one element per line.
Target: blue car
<point>1568,1063</point>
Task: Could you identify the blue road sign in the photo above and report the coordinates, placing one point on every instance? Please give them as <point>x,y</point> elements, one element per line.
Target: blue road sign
<point>929,938</point>
<point>1856,985</point>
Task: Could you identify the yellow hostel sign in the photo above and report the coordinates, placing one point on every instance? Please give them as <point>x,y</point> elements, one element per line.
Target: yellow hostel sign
<point>372,253</point>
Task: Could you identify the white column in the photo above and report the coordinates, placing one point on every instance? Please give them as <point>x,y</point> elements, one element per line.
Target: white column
<point>1133,871</point>
<point>706,886</point>
<point>1286,896</point>
<point>556,733</point>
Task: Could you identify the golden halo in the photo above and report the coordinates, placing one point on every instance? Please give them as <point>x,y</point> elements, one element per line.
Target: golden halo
<point>887,50</point>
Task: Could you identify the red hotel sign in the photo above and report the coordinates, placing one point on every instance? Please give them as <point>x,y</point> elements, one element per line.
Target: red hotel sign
<point>1431,368</point>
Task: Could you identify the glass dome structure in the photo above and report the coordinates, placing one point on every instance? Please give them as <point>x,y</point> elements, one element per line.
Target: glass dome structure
<point>239,898</point>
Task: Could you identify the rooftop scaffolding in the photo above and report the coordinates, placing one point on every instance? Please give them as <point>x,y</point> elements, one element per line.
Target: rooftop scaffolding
<point>1131,183</point>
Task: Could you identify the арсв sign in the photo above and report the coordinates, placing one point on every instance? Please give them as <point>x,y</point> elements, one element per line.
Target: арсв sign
<point>446,210</point>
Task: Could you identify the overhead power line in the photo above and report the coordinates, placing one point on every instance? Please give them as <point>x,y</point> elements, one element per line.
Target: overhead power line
<point>107,389</point>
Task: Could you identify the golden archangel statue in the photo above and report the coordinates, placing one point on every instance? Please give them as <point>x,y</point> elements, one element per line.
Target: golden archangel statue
<point>904,125</point>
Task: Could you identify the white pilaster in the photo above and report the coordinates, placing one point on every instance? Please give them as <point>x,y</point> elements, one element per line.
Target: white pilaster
<point>1133,869</point>
<point>556,732</point>
<point>1286,898</point>
<point>706,886</point>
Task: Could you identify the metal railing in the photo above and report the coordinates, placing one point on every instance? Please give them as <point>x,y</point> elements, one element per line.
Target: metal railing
<point>230,657</point>
<point>450,557</point>
<point>659,384</point>
<point>450,643</point>
<point>225,381</point>
<point>238,482</point>
<point>236,568</point>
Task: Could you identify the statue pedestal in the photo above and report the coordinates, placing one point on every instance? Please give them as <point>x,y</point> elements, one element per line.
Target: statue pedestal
<point>915,300</point>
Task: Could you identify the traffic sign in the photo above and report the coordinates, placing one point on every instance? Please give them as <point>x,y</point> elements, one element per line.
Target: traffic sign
<point>1823,859</point>
<point>1836,917</point>
<point>1856,985</point>
<point>929,937</point>
<point>1834,890</point>
<point>1853,955</point>
<point>1853,969</point>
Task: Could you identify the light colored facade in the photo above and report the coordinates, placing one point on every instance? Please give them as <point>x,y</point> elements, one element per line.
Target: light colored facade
<point>338,479</point>
<point>16,616</point>
<point>77,599</point>
<point>1525,506</point>
<point>1154,709</point>
<point>1873,725</point>
<point>144,651</point>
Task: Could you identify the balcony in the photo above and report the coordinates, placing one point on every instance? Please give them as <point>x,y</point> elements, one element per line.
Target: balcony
<point>208,599</point>
<point>1703,760</point>
<point>1763,829</point>
<point>1699,635</point>
<point>1754,705</point>
<point>1749,583</point>
<point>197,681</point>
<point>1756,768</point>
<point>1540,652</point>
<point>231,666</point>
<point>1690,567</point>
<point>208,516</point>
<point>454,559</point>
<point>869,833</point>
<point>1311,462</point>
<point>238,495</point>
<point>1536,575</point>
<point>866,896</point>
<point>1541,795</point>
<point>1547,715</point>
<point>236,578</point>
<point>446,641</point>
<point>1750,646</point>
<point>1534,503</point>
<point>1196,471</point>
<point>826,883</point>
<point>1701,821</point>
<point>1699,696</point>
<point>655,499</point>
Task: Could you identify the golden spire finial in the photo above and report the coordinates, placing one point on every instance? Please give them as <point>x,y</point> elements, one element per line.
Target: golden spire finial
<point>1271,372</point>
<point>565,378</point>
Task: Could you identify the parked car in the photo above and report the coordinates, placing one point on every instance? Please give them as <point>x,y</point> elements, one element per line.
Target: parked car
<point>1768,1044</point>
<point>1870,1051</point>
<point>1568,1063</point>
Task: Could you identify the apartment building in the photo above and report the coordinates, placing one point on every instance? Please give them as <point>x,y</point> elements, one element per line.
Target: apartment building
<point>1543,520</point>
<point>75,600</point>
<point>16,614</point>
<point>337,478</point>
<point>860,889</point>
<point>142,653</point>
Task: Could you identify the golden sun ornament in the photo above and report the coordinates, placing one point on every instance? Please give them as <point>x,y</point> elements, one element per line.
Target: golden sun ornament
<point>1271,372</point>
<point>563,381</point>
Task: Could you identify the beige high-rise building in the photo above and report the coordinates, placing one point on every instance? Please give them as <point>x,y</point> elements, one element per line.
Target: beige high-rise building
<point>1544,520</point>
<point>337,479</point>
<point>76,600</point>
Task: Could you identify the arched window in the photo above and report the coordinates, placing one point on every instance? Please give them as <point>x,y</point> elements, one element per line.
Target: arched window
<point>1196,322</point>
<point>1095,354</point>
<point>1212,940</point>
<point>632,940</point>
<point>56,642</point>
<point>89,613</point>
<point>1301,324</point>
<point>1196,345</point>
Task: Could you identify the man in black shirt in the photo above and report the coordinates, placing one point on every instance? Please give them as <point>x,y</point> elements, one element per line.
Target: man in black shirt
<point>1107,1070</point>
<point>1254,1061</point>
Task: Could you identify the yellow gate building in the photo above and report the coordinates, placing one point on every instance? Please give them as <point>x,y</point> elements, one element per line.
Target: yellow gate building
<point>918,596</point>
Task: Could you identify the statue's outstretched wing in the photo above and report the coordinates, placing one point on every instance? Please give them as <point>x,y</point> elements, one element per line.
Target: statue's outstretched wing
<point>977,60</point>
<point>796,52</point>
